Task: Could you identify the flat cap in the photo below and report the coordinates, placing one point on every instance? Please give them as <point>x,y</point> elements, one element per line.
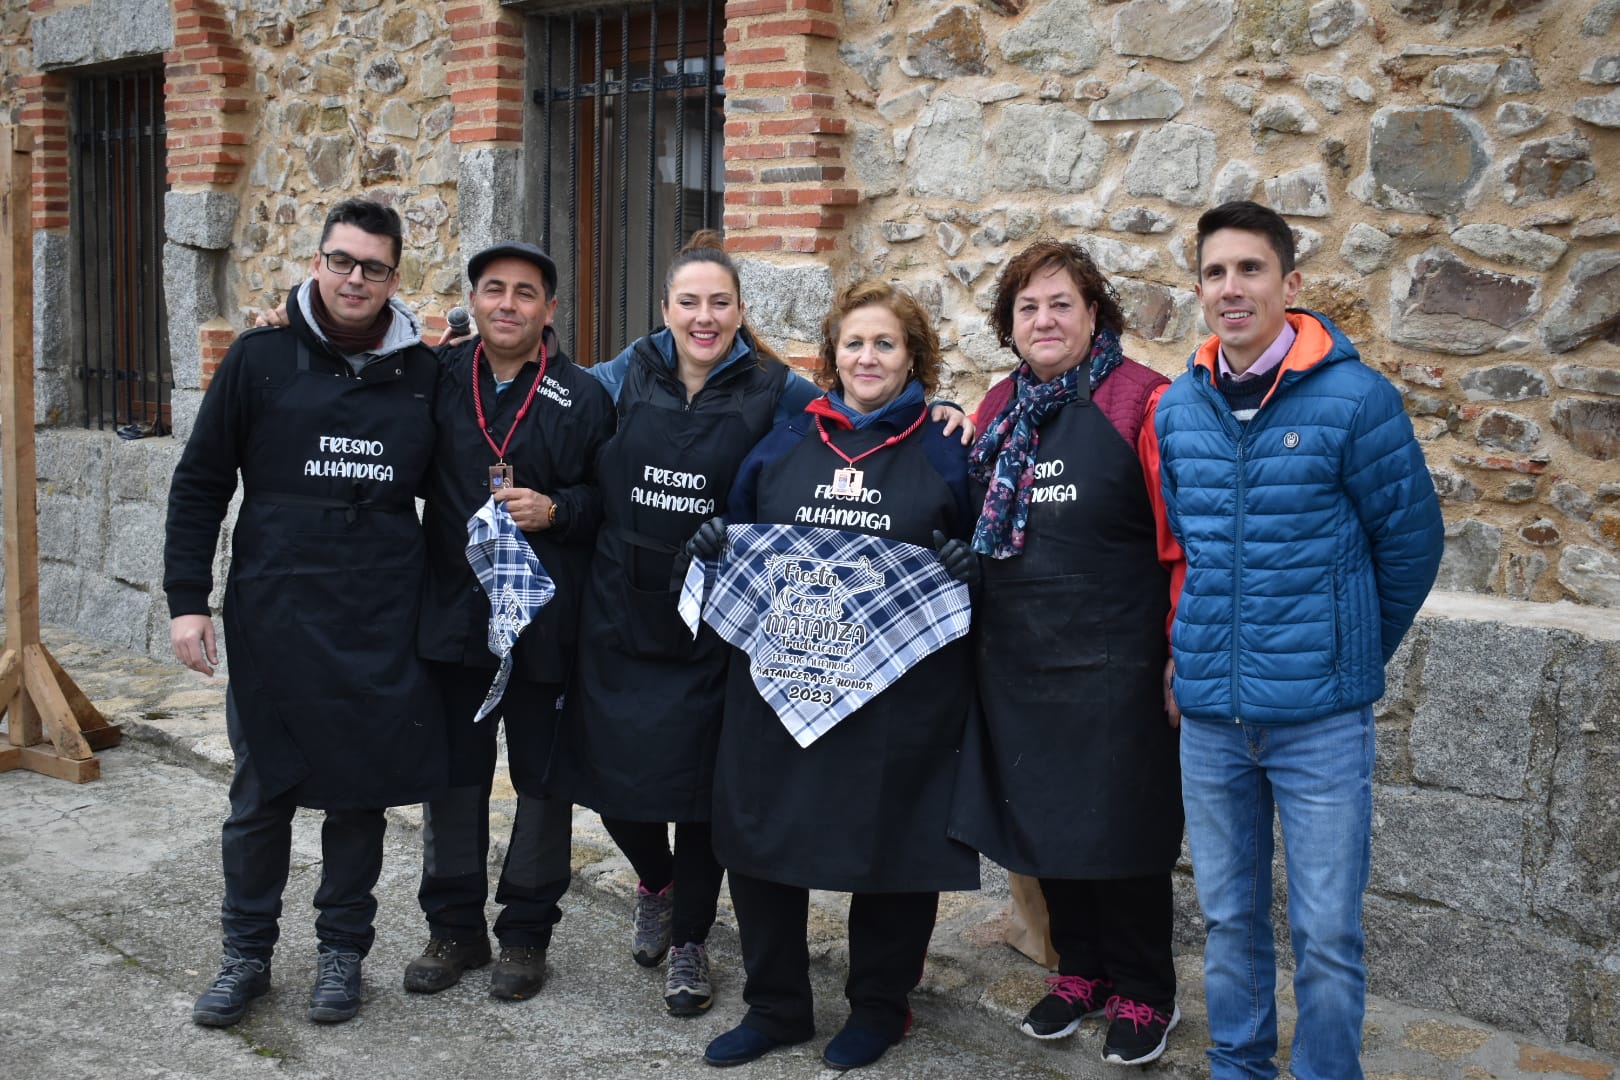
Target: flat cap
<point>515,249</point>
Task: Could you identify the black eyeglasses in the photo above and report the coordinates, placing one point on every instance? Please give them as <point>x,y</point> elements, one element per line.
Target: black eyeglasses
<point>343,264</point>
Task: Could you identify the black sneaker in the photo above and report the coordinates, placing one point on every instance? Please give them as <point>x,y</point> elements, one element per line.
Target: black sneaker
<point>442,963</point>
<point>1137,1032</point>
<point>519,973</point>
<point>336,996</point>
<point>240,980</point>
<point>1071,999</point>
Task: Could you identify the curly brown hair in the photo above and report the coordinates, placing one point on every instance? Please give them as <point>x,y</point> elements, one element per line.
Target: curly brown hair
<point>922,343</point>
<point>1042,254</point>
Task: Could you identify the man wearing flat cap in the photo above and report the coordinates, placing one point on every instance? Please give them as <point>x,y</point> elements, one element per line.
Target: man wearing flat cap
<point>520,423</point>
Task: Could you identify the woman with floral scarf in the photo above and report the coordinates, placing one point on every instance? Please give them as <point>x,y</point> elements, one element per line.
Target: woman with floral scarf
<point>1071,774</point>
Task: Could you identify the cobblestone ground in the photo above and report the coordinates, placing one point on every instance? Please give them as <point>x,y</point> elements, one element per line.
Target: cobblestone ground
<point>112,889</point>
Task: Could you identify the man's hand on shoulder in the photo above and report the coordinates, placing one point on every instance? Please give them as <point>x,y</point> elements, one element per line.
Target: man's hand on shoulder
<point>270,316</point>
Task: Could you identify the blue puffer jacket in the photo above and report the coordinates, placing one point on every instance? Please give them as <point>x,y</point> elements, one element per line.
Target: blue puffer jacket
<point>1312,535</point>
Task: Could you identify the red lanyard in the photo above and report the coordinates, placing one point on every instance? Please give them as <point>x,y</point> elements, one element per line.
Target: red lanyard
<point>523,410</point>
<point>884,445</point>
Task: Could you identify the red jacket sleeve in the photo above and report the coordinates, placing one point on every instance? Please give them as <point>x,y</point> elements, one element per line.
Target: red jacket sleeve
<point>1171,556</point>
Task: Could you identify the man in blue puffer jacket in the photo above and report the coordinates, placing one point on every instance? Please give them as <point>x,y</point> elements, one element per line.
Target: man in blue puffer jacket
<point>1312,532</point>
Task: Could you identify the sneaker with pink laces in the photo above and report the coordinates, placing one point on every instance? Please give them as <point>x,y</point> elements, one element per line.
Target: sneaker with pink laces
<point>1137,1032</point>
<point>654,913</point>
<point>1070,1000</point>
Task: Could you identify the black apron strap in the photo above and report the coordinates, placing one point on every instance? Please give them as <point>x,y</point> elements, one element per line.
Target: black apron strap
<point>642,540</point>
<point>351,507</point>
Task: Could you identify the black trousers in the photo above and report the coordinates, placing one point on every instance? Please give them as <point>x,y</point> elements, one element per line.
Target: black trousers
<point>455,828</point>
<point>692,867</point>
<point>256,850</point>
<point>888,942</point>
<point>1118,929</point>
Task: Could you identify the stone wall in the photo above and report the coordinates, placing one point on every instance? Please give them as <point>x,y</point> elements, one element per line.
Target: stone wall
<point>274,110</point>
<point>1496,820</point>
<point>1496,850</point>
<point>1449,167</point>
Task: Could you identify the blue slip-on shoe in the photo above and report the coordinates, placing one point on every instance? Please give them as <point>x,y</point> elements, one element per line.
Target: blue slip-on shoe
<point>739,1046</point>
<point>856,1046</point>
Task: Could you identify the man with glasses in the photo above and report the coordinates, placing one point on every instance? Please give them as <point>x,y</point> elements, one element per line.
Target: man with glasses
<point>329,422</point>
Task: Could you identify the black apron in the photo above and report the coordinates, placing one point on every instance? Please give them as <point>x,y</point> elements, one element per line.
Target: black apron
<point>643,715</point>
<point>864,807</point>
<point>324,585</point>
<point>1071,771</point>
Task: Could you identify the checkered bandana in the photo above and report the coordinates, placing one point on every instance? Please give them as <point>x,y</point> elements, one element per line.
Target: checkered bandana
<point>828,618</point>
<point>513,579</point>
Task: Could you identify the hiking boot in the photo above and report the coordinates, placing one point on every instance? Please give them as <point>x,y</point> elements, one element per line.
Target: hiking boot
<point>442,963</point>
<point>1137,1032</point>
<point>336,996</point>
<point>654,910</point>
<point>686,988</point>
<point>1071,999</point>
<point>519,973</point>
<point>240,980</point>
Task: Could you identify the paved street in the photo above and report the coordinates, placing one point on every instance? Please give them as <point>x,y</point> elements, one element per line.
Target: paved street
<point>112,895</point>
<point>111,892</point>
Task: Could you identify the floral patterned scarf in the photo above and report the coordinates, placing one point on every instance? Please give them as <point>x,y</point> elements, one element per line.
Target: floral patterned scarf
<point>1004,457</point>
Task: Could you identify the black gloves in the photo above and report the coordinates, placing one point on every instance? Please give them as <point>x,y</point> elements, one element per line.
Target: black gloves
<point>709,541</point>
<point>958,559</point>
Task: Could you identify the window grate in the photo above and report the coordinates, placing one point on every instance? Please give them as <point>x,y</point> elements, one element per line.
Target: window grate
<point>119,180</point>
<point>631,137</point>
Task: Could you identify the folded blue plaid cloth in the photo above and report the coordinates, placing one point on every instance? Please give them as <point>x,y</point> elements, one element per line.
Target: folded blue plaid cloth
<point>829,619</point>
<point>513,579</point>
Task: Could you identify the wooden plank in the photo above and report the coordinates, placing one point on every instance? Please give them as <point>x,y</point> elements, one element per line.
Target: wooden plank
<point>60,723</point>
<point>17,469</point>
<point>10,675</point>
<point>83,708</point>
<point>44,759</point>
<point>23,727</point>
<point>104,738</point>
<point>10,758</point>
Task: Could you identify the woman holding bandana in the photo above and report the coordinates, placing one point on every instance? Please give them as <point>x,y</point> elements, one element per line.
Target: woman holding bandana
<point>862,808</point>
<point>1071,773</point>
<point>642,720</point>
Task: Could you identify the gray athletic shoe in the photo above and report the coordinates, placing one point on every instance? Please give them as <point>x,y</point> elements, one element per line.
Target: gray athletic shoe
<point>654,910</point>
<point>686,988</point>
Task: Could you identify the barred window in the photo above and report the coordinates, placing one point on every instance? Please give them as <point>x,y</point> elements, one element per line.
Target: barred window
<point>628,158</point>
<point>119,179</point>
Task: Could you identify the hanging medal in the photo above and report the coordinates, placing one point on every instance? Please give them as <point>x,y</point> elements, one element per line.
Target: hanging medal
<point>500,473</point>
<point>849,482</point>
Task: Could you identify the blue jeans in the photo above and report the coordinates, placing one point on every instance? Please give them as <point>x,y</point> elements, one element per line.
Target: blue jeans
<point>1318,776</point>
